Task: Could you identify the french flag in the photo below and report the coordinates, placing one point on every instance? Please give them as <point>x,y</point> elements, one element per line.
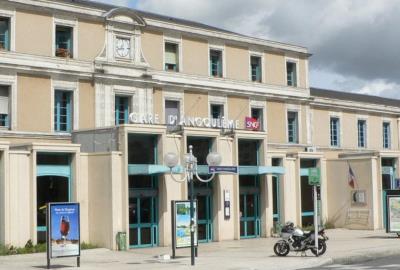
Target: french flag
<point>352,178</point>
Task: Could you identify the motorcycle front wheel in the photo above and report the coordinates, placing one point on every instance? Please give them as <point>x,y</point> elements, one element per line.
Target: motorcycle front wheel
<point>281,248</point>
<point>321,248</point>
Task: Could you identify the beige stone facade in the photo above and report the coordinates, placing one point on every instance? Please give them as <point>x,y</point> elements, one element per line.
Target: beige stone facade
<point>90,95</point>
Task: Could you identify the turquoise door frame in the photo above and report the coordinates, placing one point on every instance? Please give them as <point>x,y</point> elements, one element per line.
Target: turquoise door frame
<point>146,169</point>
<point>54,170</point>
<point>276,190</point>
<point>207,221</point>
<point>247,219</point>
<point>152,226</point>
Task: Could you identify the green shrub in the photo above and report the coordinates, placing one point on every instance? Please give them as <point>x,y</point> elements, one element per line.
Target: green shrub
<point>30,248</point>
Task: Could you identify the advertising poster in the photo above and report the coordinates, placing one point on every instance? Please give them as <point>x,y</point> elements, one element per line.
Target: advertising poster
<point>63,230</point>
<point>393,213</point>
<point>182,224</point>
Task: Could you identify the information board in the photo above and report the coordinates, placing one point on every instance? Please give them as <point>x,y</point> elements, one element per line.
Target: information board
<point>63,230</point>
<point>181,223</point>
<point>393,213</point>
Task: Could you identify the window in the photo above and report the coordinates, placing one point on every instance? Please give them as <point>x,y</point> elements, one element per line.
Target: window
<point>216,63</point>
<point>362,133</point>
<point>171,57</point>
<point>64,42</point>
<point>121,110</point>
<point>292,127</point>
<point>172,113</point>
<point>4,33</point>
<point>386,135</point>
<point>4,106</point>
<point>62,111</point>
<point>217,111</point>
<point>335,139</point>
<point>255,66</point>
<point>257,113</point>
<point>291,73</point>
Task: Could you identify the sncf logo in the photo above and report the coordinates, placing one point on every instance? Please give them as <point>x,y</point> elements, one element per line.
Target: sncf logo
<point>252,123</point>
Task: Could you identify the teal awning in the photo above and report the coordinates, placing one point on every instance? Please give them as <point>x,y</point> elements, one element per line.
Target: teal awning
<point>53,170</point>
<point>259,170</point>
<point>149,169</point>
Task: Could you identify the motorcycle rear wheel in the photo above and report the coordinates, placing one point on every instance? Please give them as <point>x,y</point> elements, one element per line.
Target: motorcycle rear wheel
<point>321,248</point>
<point>281,248</point>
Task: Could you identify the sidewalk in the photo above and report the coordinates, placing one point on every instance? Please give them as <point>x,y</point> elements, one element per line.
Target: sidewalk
<point>343,246</point>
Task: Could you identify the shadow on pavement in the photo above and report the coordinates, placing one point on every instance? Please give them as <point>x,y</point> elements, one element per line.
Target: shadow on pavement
<point>54,266</point>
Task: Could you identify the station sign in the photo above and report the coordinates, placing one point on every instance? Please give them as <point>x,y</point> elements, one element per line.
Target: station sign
<point>223,169</point>
<point>252,123</point>
<point>314,176</point>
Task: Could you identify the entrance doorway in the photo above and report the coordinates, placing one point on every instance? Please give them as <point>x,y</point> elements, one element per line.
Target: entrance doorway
<point>249,206</point>
<point>143,217</point>
<point>276,189</point>
<point>388,181</point>
<point>249,190</point>
<point>203,192</point>
<point>307,201</point>
<point>53,184</point>
<point>143,192</point>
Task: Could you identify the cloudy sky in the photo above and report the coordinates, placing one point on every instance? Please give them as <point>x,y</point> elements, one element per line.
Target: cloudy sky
<point>355,43</point>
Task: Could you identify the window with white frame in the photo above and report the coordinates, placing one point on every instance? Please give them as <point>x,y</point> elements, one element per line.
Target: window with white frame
<point>386,135</point>
<point>64,41</point>
<point>335,131</point>
<point>293,126</point>
<point>5,33</point>
<point>362,133</point>
<point>255,67</point>
<point>216,63</point>
<point>291,73</point>
<point>171,56</point>
<point>62,111</point>
<point>4,106</point>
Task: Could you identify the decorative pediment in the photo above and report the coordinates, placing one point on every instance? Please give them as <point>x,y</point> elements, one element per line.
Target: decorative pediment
<point>125,15</point>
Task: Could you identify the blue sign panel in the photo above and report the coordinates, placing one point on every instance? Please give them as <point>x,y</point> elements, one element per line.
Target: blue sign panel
<point>63,230</point>
<point>223,169</point>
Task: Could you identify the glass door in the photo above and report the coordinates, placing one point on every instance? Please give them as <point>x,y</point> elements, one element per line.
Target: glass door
<point>275,198</point>
<point>143,211</point>
<point>249,220</point>
<point>249,206</point>
<point>203,195</point>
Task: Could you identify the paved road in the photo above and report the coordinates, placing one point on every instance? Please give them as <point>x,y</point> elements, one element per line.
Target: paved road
<point>390,263</point>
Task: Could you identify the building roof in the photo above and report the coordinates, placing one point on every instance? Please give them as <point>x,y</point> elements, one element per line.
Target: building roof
<point>324,93</point>
<point>154,16</point>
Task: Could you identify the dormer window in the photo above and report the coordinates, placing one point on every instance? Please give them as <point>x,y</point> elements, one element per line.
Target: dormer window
<point>64,41</point>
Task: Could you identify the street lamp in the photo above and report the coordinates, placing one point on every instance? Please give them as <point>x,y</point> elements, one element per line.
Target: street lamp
<point>171,160</point>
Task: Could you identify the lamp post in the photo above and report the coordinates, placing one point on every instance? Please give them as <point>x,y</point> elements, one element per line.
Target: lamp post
<point>171,160</point>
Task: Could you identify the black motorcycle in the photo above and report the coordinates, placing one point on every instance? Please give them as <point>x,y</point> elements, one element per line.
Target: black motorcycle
<point>295,239</point>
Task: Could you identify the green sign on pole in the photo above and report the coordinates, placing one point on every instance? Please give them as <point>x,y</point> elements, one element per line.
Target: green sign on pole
<point>314,176</point>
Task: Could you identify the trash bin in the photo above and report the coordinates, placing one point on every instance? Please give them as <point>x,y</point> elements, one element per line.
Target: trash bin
<point>121,241</point>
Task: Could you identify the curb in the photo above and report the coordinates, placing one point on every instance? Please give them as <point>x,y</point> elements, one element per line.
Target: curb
<point>368,256</point>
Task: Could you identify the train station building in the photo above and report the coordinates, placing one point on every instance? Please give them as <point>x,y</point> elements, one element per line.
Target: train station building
<point>93,96</point>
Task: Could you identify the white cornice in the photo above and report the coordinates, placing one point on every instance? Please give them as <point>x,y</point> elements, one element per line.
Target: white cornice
<point>335,104</point>
<point>62,6</point>
<point>45,64</point>
<point>240,87</point>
